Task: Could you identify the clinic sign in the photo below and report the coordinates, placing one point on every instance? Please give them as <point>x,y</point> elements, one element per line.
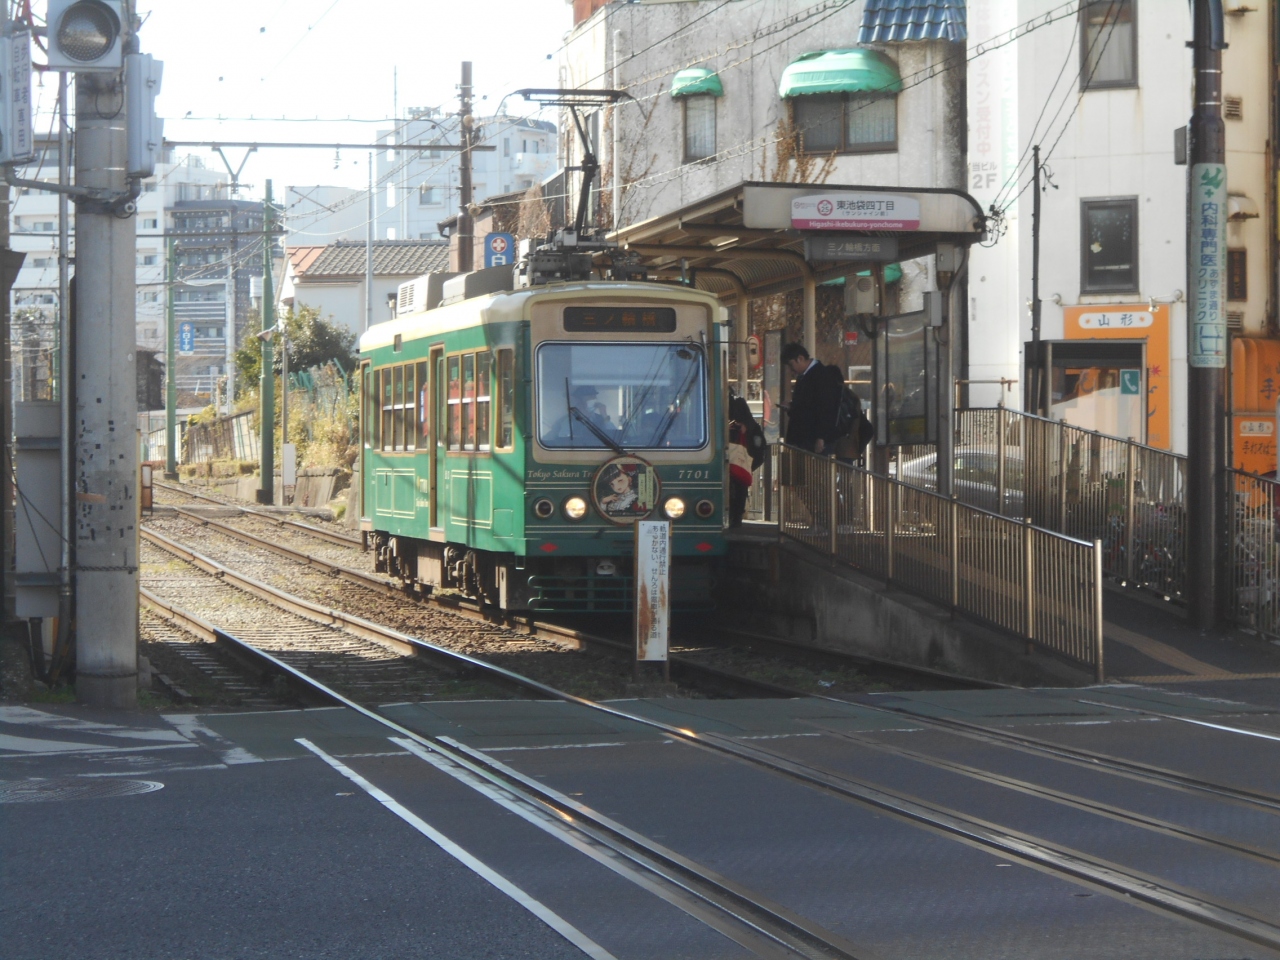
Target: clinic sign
<point>499,248</point>
<point>186,338</point>
<point>1207,321</point>
<point>855,211</point>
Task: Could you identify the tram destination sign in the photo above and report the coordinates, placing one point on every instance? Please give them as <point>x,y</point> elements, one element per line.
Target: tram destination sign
<point>619,319</point>
<point>832,248</point>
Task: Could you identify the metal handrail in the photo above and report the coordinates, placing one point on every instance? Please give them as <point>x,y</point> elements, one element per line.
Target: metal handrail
<point>1253,563</point>
<point>1036,583</point>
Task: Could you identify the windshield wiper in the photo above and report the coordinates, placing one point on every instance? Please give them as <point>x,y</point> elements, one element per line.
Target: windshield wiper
<point>599,434</point>
<point>674,410</point>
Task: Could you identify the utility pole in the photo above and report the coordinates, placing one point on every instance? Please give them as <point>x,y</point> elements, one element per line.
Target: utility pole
<point>267,384</point>
<point>1035,386</point>
<point>368,255</point>
<point>106,468</point>
<point>1206,321</point>
<point>170,365</point>
<point>466,229</point>
<point>229,338</point>
<point>66,379</point>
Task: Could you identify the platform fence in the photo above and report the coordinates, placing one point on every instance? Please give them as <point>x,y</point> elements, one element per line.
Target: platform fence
<point>1254,560</point>
<point>1035,583</point>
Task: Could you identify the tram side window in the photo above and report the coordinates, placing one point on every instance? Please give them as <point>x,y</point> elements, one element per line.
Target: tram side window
<point>386,395</point>
<point>470,401</point>
<point>455,403</point>
<point>397,415</point>
<point>506,399</point>
<point>421,415</point>
<point>483,396</point>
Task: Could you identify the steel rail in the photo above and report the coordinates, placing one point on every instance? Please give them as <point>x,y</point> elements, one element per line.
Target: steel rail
<point>1089,759</point>
<point>338,538</point>
<point>1062,797</point>
<point>760,917</point>
<point>1032,851</point>
<point>1242,731</point>
<point>683,667</point>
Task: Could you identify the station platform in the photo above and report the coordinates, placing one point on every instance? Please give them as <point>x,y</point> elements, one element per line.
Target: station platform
<point>810,599</point>
<point>222,835</point>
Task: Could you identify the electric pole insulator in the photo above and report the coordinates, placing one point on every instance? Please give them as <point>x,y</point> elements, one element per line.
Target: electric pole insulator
<point>142,74</point>
<point>86,36</point>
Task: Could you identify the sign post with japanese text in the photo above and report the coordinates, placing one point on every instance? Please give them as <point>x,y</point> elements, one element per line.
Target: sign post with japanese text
<point>1207,329</point>
<point>653,589</point>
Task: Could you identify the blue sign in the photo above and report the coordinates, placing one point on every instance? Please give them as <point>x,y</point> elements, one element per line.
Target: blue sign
<point>186,338</point>
<point>499,249</point>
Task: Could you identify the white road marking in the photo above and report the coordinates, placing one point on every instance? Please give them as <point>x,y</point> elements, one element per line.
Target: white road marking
<point>192,728</point>
<point>33,745</point>
<point>543,913</point>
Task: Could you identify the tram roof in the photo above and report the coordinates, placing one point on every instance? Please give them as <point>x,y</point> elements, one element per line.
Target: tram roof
<point>509,305</point>
<point>750,240</point>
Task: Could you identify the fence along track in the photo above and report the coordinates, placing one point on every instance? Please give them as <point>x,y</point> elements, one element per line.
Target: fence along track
<point>1033,582</point>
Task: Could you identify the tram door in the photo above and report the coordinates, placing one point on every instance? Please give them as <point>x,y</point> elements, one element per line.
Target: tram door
<point>437,440</point>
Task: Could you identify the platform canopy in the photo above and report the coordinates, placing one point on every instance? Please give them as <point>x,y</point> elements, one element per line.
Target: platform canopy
<point>758,239</point>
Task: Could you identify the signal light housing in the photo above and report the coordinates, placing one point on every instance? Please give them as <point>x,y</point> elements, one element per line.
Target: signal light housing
<point>86,36</point>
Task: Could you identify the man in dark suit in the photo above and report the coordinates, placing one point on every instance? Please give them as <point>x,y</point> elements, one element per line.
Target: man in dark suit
<point>815,401</point>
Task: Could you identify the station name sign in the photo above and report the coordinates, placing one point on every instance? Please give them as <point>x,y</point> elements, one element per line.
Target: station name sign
<point>838,248</point>
<point>855,211</point>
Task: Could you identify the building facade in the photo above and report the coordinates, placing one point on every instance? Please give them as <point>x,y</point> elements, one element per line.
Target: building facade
<point>1104,93</point>
<point>418,189</point>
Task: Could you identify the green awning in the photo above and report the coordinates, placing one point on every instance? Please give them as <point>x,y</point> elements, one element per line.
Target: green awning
<point>696,81</point>
<point>840,71</point>
<point>892,272</point>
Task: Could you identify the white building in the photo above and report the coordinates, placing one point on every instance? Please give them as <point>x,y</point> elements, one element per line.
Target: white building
<point>731,92</point>
<point>33,221</point>
<point>315,216</point>
<point>418,189</point>
<point>1103,94</point>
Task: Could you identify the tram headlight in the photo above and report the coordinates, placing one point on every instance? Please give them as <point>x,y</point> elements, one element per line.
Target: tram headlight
<point>575,508</point>
<point>704,509</point>
<point>673,508</point>
<point>543,509</point>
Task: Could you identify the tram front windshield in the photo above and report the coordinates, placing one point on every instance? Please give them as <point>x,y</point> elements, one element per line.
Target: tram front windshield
<point>637,395</point>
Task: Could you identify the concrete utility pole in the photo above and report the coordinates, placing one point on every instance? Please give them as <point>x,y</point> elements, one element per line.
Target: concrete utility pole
<point>1206,321</point>
<point>1035,388</point>
<point>66,387</point>
<point>267,384</point>
<point>466,228</point>
<point>170,365</point>
<point>368,255</point>
<point>229,333</point>
<point>106,469</point>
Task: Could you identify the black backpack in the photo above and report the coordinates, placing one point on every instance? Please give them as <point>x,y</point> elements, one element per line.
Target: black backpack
<point>849,416</point>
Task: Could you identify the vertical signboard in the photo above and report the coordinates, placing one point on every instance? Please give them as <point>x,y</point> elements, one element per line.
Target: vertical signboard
<point>653,588</point>
<point>772,384</point>
<point>498,249</point>
<point>1207,321</point>
<point>20,121</point>
<point>186,338</point>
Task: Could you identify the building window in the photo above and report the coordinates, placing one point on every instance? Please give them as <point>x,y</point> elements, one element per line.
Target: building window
<point>846,123</point>
<point>1109,45</point>
<point>506,146</point>
<point>1237,275</point>
<point>149,260</point>
<point>427,196</point>
<point>151,223</point>
<point>1109,238</point>
<point>699,128</point>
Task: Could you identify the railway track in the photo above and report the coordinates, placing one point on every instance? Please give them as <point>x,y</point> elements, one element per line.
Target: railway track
<point>720,662</point>
<point>745,915</point>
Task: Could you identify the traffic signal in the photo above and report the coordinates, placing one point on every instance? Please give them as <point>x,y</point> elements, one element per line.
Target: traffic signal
<point>85,36</point>
<point>17,143</point>
<point>145,130</point>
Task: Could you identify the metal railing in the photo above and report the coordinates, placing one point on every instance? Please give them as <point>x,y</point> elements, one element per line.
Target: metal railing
<point>1036,583</point>
<point>227,438</point>
<point>1254,560</point>
<point>1083,484</point>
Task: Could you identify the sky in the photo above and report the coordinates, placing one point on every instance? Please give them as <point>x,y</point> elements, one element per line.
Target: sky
<point>302,59</point>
